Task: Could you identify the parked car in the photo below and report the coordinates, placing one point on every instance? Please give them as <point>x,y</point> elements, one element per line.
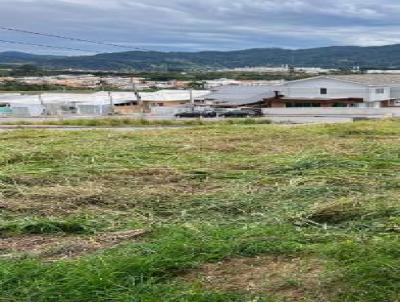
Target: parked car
<point>188,114</point>
<point>244,112</point>
<point>197,114</point>
<point>209,113</point>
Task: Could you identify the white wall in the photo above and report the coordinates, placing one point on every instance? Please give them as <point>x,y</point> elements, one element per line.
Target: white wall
<point>331,111</point>
<point>374,96</point>
<point>310,88</point>
<point>395,92</point>
<point>26,110</point>
<point>167,111</point>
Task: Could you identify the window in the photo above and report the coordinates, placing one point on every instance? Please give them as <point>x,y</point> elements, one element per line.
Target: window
<point>339,105</point>
<point>380,90</point>
<point>323,91</point>
<point>301,105</point>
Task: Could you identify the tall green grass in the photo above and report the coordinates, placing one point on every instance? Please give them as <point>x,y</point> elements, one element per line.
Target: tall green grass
<point>143,271</point>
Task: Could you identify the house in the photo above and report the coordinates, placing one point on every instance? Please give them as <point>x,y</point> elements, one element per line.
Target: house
<point>357,90</point>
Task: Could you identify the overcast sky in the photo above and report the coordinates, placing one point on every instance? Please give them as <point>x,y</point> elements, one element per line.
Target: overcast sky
<point>200,25</point>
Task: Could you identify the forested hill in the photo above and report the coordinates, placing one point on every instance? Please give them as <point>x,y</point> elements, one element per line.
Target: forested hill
<point>332,57</point>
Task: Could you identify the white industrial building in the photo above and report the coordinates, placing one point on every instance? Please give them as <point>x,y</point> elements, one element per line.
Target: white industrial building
<point>99,103</point>
<point>340,91</point>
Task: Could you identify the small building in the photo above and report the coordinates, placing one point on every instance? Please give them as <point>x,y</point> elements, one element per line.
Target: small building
<point>210,84</point>
<point>18,105</point>
<point>161,98</point>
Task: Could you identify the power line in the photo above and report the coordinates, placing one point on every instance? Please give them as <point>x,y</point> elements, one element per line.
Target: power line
<point>42,45</point>
<point>69,38</point>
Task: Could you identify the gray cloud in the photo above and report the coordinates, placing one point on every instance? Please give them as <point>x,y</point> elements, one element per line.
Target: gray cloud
<point>202,25</point>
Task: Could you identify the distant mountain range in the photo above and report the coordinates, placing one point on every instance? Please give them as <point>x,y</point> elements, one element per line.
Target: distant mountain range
<point>329,57</point>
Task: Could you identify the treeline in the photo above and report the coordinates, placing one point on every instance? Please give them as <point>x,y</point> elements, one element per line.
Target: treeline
<point>20,86</point>
<point>213,75</point>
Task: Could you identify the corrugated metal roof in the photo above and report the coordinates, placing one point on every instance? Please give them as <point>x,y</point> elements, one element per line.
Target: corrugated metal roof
<point>240,95</point>
<point>101,97</point>
<point>20,99</point>
<point>370,79</point>
<point>172,95</point>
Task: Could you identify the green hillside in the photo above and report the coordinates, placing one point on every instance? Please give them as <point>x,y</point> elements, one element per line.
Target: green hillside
<point>332,57</point>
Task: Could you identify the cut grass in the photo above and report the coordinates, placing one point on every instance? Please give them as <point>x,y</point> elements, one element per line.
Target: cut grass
<point>207,194</point>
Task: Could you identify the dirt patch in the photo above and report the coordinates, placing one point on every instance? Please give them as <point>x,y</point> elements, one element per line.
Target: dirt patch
<point>58,247</point>
<point>292,279</point>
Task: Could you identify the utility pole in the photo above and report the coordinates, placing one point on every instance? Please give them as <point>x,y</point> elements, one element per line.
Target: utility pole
<point>191,99</point>
<point>138,97</point>
<point>44,112</point>
<point>111,102</point>
<point>292,67</point>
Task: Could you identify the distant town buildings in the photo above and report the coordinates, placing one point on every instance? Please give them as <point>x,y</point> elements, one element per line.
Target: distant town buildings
<point>211,84</point>
<point>377,71</point>
<point>95,82</point>
<point>284,69</point>
<point>126,83</point>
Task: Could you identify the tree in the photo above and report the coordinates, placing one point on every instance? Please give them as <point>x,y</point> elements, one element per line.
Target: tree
<point>27,70</point>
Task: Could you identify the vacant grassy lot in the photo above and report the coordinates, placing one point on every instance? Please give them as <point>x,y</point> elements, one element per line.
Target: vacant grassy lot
<point>134,122</point>
<point>210,213</point>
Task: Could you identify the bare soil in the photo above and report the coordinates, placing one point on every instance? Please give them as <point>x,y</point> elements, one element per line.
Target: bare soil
<point>58,247</point>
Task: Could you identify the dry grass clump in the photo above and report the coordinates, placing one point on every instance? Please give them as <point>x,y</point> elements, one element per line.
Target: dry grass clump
<point>336,212</point>
<point>291,279</point>
<point>373,211</point>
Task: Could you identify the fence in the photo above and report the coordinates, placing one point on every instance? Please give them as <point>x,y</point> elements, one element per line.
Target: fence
<point>168,111</point>
<point>94,109</point>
